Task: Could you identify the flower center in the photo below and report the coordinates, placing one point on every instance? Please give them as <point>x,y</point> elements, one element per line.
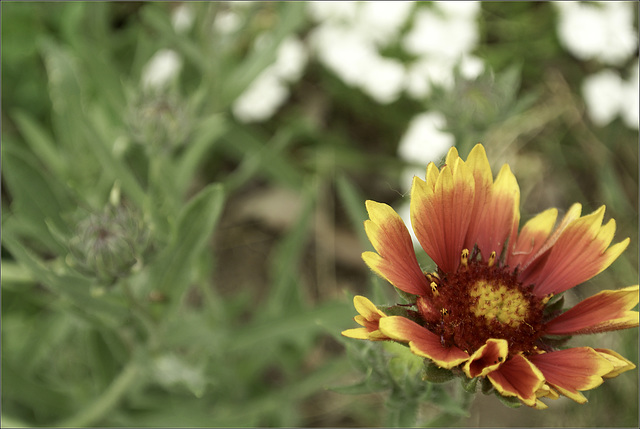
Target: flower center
<point>498,302</point>
<point>482,300</point>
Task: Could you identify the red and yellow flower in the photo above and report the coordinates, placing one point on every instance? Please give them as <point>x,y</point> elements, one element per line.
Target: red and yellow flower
<point>489,310</point>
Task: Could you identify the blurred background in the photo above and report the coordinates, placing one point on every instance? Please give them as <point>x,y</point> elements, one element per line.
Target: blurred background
<point>183,190</point>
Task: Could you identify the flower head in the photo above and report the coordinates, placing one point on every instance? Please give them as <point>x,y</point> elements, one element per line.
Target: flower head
<point>490,309</point>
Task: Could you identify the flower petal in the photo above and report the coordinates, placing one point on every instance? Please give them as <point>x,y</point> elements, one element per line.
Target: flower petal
<point>367,308</point>
<point>530,269</point>
<point>441,212</point>
<point>571,370</point>
<point>539,405</point>
<point>533,235</point>
<point>480,168</point>
<point>369,318</point>
<point>396,261</point>
<point>499,214</point>
<point>518,377</point>
<point>452,156</point>
<point>581,252</point>
<point>620,364</point>
<point>487,358</point>
<point>422,341</point>
<point>547,392</point>
<point>478,164</point>
<point>357,333</point>
<point>604,311</point>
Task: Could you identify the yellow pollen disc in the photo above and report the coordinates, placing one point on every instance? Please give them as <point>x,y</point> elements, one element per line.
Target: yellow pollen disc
<point>496,301</point>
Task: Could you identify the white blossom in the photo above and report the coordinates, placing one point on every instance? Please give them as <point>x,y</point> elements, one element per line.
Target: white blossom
<point>161,69</point>
<point>607,96</point>
<point>383,80</point>
<point>325,11</point>
<point>602,95</point>
<point>471,67</point>
<point>426,72</point>
<point>423,142</point>
<point>598,30</point>
<point>460,9</point>
<point>435,35</point>
<point>182,18</point>
<point>349,36</point>
<point>226,21</point>
<point>381,21</point>
<point>344,51</point>
<point>262,98</point>
<point>270,89</point>
<point>291,59</point>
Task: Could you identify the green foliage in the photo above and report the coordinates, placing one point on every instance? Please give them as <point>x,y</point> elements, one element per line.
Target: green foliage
<point>220,301</point>
<point>434,374</point>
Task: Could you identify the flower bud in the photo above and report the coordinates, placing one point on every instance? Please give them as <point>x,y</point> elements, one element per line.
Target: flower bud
<point>158,121</point>
<point>110,243</point>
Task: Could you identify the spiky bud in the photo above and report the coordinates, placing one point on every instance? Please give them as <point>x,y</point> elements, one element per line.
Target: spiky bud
<point>158,121</point>
<point>108,244</point>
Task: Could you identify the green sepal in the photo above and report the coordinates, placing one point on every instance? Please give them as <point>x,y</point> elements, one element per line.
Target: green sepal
<point>407,297</point>
<point>553,307</point>
<point>486,386</point>
<point>436,374</point>
<point>400,310</point>
<point>469,384</point>
<point>509,401</point>
<point>556,341</point>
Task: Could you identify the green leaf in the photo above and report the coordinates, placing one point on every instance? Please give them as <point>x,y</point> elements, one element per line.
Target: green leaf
<point>13,273</point>
<point>206,135</point>
<point>64,75</point>
<point>246,144</point>
<point>99,139</point>
<point>41,143</point>
<point>262,154</point>
<point>171,271</point>
<point>37,197</point>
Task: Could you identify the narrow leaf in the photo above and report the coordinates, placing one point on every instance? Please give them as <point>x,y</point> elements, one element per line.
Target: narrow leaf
<point>171,272</point>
